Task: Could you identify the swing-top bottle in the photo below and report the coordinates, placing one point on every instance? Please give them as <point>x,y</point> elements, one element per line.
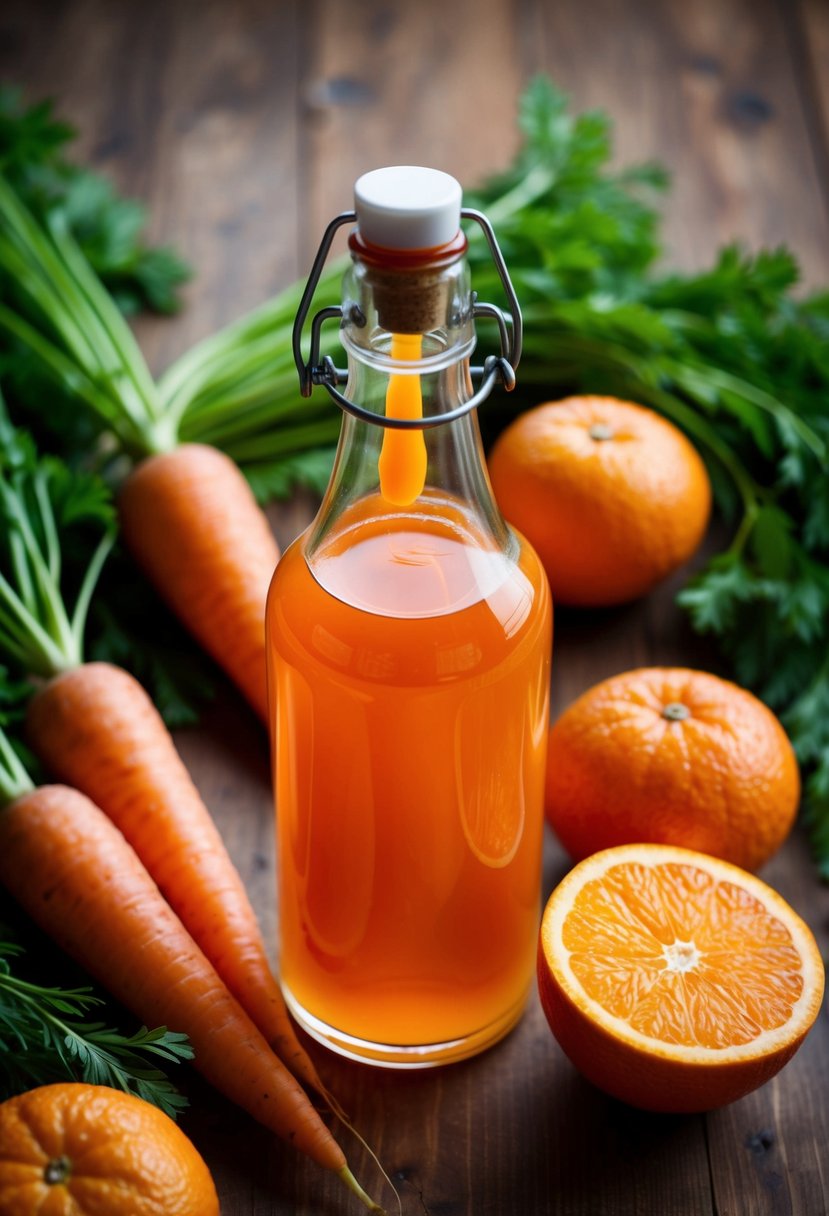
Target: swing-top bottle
<point>408,634</point>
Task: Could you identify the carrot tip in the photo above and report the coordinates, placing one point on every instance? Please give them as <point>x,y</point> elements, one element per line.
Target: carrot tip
<point>352,1183</point>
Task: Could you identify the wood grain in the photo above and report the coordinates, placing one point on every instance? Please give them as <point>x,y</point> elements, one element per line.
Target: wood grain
<point>811,26</point>
<point>709,90</point>
<point>243,126</point>
<point>191,107</point>
<point>406,83</point>
<point>807,24</point>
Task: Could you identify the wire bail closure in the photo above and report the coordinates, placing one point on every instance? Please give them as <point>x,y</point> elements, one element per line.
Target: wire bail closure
<point>324,371</point>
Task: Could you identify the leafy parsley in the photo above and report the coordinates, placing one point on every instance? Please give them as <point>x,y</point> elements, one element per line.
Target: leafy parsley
<point>731,355</point>
<point>107,228</point>
<point>45,1036</point>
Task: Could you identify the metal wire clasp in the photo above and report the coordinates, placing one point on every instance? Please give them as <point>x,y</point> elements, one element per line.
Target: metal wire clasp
<point>323,371</point>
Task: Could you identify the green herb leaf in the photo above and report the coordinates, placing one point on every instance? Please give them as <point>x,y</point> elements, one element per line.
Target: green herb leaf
<point>279,478</point>
<point>109,229</point>
<point>45,1036</point>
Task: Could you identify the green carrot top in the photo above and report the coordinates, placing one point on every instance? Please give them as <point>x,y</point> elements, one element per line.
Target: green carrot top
<point>14,780</point>
<point>40,499</point>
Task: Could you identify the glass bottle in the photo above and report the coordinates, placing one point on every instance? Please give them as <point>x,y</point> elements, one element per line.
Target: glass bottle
<point>409,634</point>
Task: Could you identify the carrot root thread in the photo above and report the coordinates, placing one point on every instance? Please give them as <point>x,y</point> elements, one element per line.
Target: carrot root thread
<point>353,1185</point>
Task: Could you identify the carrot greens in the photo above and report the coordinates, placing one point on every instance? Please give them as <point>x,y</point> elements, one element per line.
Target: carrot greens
<point>14,780</point>
<point>39,635</point>
<point>54,306</point>
<point>57,533</point>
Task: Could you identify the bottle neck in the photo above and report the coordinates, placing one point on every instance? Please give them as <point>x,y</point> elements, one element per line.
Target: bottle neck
<point>419,369</point>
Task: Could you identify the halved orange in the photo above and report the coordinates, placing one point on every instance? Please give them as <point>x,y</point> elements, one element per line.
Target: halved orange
<point>673,980</point>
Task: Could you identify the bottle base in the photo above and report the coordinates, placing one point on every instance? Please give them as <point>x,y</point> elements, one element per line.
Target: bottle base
<point>392,1055</point>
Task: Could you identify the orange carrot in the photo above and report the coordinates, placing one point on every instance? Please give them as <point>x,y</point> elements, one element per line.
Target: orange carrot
<point>95,728</point>
<point>193,525</point>
<point>79,879</point>
<point>187,511</point>
<point>74,873</point>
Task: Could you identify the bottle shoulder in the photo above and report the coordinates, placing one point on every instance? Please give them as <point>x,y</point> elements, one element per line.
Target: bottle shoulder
<point>408,607</point>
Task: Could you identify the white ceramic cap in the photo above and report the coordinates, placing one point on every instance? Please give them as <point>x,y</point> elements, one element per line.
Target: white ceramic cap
<point>407,207</point>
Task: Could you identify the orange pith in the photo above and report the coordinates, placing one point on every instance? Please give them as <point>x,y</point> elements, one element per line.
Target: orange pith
<point>673,980</point>
<point>83,1150</point>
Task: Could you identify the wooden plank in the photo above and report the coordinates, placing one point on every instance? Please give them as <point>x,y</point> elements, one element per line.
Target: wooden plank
<point>811,21</point>
<point>190,107</point>
<point>430,83</point>
<point>215,89</point>
<point>765,1151</point>
<point>807,23</point>
<point>708,89</point>
<point>224,185</point>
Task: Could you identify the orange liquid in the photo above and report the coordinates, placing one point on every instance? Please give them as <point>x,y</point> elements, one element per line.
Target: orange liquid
<point>410,675</point>
<point>402,464</point>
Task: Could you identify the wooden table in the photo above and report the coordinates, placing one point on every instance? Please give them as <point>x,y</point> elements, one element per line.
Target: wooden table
<point>243,124</point>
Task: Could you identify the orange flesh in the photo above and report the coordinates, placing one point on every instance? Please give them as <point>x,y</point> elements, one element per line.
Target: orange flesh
<point>402,464</point>
<point>410,678</point>
<point>681,956</point>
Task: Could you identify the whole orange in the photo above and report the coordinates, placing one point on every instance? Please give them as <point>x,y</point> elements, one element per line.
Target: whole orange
<point>85,1150</point>
<point>612,497</point>
<point>674,756</point>
<point>673,980</point>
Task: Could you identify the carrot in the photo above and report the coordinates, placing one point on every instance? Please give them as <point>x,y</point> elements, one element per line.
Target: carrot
<point>95,728</point>
<point>79,879</point>
<point>187,511</point>
<point>190,520</point>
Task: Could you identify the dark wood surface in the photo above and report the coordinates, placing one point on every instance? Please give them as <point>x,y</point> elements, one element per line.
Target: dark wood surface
<point>243,125</point>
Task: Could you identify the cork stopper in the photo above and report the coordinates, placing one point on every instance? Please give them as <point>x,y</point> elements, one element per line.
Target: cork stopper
<point>412,302</point>
<point>408,230</point>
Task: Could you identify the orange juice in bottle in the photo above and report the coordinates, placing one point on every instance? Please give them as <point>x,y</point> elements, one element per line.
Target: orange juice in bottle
<point>409,634</point>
